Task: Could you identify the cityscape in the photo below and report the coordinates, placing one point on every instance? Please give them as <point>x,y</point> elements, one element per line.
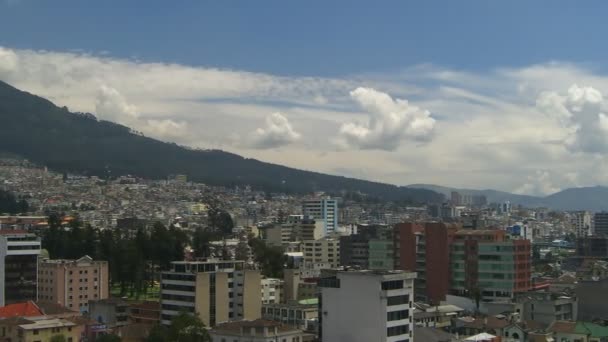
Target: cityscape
<point>319,171</point>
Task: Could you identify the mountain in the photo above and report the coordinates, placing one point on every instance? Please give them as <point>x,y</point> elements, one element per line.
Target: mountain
<point>582,198</point>
<point>493,196</point>
<point>34,128</point>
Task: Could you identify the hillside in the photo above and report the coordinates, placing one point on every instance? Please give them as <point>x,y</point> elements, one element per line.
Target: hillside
<point>36,129</point>
<point>583,198</point>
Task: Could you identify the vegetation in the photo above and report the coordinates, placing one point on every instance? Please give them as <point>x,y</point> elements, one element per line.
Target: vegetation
<point>10,204</point>
<point>134,259</point>
<point>78,142</point>
<point>271,259</point>
<point>184,328</point>
<point>108,338</point>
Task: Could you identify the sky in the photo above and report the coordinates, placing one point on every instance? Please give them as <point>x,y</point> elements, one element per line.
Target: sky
<point>477,94</point>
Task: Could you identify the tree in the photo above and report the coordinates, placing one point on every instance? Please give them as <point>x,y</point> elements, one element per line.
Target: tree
<point>159,333</point>
<point>271,259</point>
<point>58,338</point>
<point>108,338</point>
<point>186,327</point>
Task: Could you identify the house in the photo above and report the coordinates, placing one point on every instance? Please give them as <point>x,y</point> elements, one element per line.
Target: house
<point>24,309</point>
<point>519,331</point>
<point>425,334</point>
<point>467,326</point>
<point>39,329</point>
<point>485,337</point>
<point>258,330</point>
<point>578,331</point>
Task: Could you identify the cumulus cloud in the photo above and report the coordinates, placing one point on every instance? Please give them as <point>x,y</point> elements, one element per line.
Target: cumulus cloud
<point>390,122</point>
<point>539,184</point>
<point>491,135</point>
<point>580,112</point>
<point>111,105</point>
<point>276,133</point>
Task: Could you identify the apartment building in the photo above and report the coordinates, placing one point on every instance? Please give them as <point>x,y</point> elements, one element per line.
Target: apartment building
<point>271,289</point>
<point>488,262</point>
<point>217,290</point>
<point>19,251</point>
<point>581,223</point>
<point>425,249</point>
<point>371,247</point>
<point>72,283</point>
<point>325,251</point>
<point>323,209</point>
<point>302,316</point>
<point>363,306</point>
<point>257,330</point>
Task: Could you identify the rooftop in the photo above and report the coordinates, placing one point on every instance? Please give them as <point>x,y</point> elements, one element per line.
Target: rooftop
<point>237,326</point>
<point>25,309</point>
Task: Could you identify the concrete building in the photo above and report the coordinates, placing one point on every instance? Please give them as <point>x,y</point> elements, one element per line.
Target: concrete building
<point>325,251</point>
<point>600,224</point>
<point>111,312</point>
<point>581,223</point>
<point>425,249</point>
<point>19,251</point>
<point>323,209</point>
<point>488,262</point>
<point>72,283</point>
<point>301,316</point>
<point>592,247</point>
<point>546,307</point>
<point>217,290</point>
<point>258,330</point>
<point>271,289</point>
<point>310,229</point>
<point>371,247</point>
<point>40,329</point>
<point>363,306</point>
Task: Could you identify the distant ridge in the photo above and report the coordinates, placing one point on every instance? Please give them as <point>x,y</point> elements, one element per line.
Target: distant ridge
<point>36,129</point>
<point>593,198</point>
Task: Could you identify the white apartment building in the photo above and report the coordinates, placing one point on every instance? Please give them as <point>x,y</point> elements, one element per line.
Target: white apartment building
<point>581,223</point>
<point>363,306</point>
<point>323,209</point>
<point>271,290</point>
<point>324,251</point>
<point>19,251</point>
<point>217,290</point>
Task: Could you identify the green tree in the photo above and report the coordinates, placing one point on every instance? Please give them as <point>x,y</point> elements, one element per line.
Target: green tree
<point>186,327</point>
<point>271,259</point>
<point>108,338</point>
<point>159,333</point>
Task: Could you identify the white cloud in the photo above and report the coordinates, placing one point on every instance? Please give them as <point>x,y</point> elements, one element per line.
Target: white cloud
<point>389,123</point>
<point>486,129</point>
<point>277,132</point>
<point>539,184</point>
<point>579,110</point>
<point>112,106</point>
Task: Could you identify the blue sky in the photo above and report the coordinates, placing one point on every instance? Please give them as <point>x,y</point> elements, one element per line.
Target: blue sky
<point>481,94</point>
<point>315,37</point>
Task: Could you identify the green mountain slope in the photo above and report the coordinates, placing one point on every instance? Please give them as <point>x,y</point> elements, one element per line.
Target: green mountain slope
<point>36,129</point>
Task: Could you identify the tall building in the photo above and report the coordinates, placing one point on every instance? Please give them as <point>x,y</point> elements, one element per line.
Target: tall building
<point>425,249</point>
<point>600,223</point>
<point>581,222</point>
<point>323,251</point>
<point>487,262</point>
<point>19,251</point>
<point>371,247</point>
<point>323,209</point>
<point>363,306</point>
<point>72,283</point>
<point>217,290</point>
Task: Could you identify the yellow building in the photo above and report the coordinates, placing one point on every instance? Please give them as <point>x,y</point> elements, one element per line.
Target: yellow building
<point>39,329</point>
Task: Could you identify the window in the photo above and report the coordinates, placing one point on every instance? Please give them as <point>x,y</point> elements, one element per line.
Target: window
<point>392,285</point>
<point>35,331</point>
<point>398,330</point>
<point>398,300</point>
<point>397,315</point>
